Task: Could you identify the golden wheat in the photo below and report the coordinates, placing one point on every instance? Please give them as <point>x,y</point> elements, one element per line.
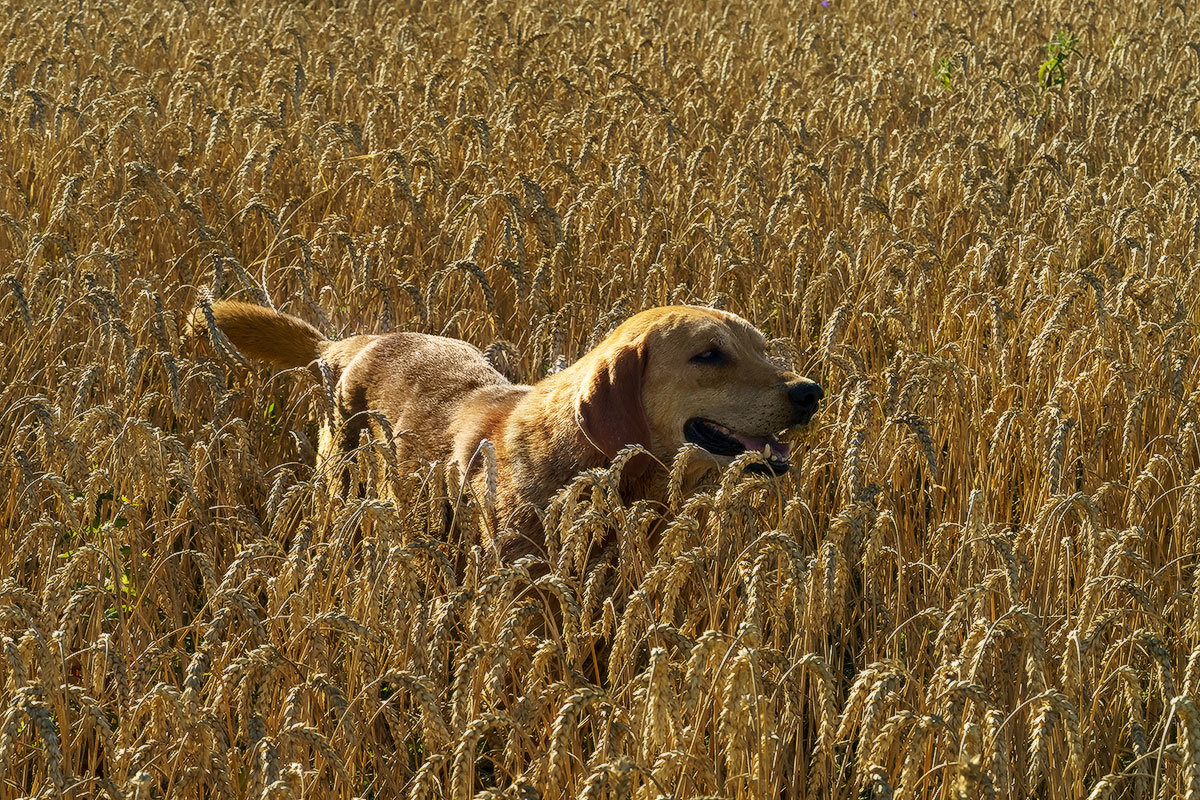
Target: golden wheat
<point>980,580</point>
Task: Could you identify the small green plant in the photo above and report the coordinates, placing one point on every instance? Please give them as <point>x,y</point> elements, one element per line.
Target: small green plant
<point>1060,48</point>
<point>1117,54</point>
<point>945,72</point>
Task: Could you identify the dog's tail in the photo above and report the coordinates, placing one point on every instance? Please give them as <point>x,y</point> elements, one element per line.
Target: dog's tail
<point>280,339</point>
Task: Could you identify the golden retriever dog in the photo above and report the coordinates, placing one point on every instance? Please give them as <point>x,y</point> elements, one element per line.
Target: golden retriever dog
<point>665,377</point>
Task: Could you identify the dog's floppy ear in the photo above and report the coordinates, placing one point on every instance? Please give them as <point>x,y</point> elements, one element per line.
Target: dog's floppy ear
<point>608,407</point>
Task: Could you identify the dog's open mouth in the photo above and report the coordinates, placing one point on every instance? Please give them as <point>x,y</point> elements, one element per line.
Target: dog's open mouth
<point>720,441</point>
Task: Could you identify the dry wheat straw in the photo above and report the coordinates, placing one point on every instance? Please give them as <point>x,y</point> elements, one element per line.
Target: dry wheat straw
<point>979,580</point>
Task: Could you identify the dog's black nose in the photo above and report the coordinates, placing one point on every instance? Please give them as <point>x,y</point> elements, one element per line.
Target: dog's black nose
<point>804,396</point>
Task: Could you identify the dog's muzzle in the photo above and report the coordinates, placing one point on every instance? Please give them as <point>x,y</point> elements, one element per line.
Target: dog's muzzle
<point>721,441</point>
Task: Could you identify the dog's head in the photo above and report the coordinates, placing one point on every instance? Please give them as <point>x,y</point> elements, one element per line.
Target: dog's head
<point>688,374</point>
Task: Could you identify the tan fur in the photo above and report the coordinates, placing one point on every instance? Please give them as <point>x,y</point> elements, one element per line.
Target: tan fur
<point>442,399</point>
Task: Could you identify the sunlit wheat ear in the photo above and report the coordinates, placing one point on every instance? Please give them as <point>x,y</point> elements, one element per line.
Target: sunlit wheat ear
<point>569,609</point>
<point>463,774</point>
<point>887,681</point>
<point>697,667</point>
<point>921,429</point>
<point>562,733</point>
<point>659,718</point>
<point>738,706</point>
<point>496,591</point>
<point>586,532</point>
<point>462,699</point>
<point>506,648</point>
<point>1043,719</point>
<point>434,726</point>
<point>682,530</point>
<point>1189,739</point>
<point>560,517</point>
<point>886,741</point>
<point>487,452</point>
<point>684,459</point>
<point>916,752</point>
<point>674,584</point>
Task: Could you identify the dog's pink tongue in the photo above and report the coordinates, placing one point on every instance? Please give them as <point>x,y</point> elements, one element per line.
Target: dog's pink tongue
<point>779,450</point>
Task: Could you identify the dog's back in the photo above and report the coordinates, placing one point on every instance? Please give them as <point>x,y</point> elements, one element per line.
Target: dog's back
<point>425,385</point>
<point>428,387</point>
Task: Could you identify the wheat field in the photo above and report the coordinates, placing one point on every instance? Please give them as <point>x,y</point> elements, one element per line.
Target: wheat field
<point>976,224</point>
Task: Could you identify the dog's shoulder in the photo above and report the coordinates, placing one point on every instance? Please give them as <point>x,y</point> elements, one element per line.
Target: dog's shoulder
<point>543,441</point>
<point>483,413</point>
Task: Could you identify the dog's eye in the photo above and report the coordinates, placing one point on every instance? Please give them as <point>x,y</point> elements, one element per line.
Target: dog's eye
<point>712,356</point>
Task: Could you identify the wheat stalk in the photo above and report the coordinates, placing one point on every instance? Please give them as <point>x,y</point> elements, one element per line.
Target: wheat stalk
<point>978,577</point>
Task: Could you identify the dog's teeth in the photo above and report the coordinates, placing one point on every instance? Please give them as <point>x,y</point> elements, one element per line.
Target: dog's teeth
<point>767,452</point>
